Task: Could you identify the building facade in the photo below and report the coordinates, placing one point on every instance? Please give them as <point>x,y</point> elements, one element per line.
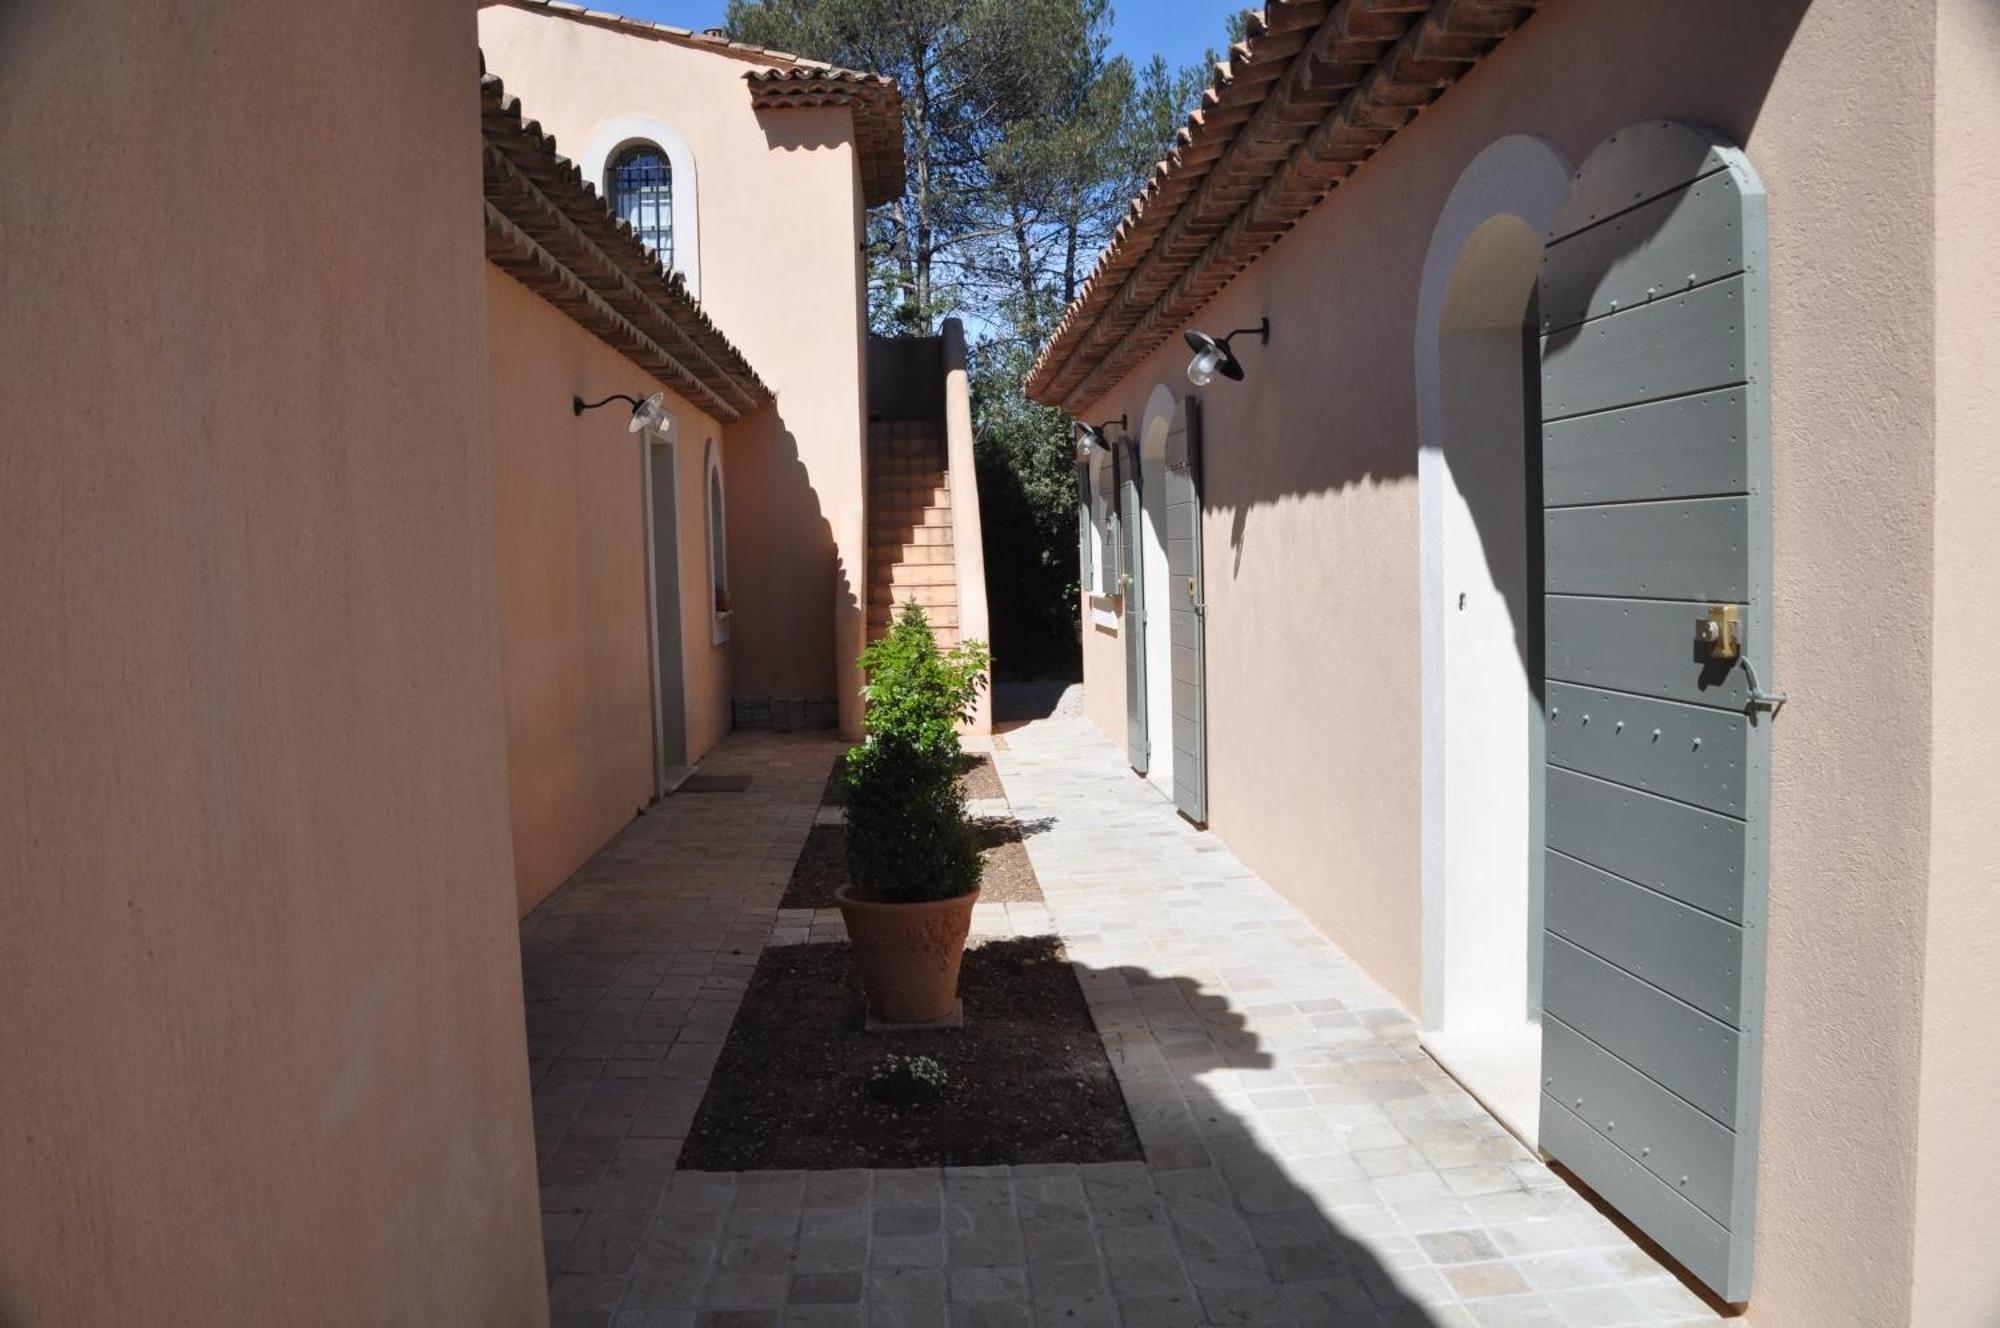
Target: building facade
<point>1463,616</point>
<point>366,571</point>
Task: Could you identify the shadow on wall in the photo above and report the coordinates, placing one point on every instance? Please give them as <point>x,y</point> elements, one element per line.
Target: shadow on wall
<point>782,564</point>
<point>1711,63</point>
<point>789,131</point>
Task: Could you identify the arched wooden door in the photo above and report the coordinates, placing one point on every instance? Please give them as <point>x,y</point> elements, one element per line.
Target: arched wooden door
<point>1656,527</point>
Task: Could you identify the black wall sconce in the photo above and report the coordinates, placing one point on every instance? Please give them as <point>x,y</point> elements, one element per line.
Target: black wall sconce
<point>1212,356</point>
<point>646,414</point>
<point>1094,435</point>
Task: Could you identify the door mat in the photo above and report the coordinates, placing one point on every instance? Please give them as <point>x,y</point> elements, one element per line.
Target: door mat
<point>715,784</point>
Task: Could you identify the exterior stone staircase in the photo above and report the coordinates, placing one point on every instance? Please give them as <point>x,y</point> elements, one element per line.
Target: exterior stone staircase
<point>910,549</point>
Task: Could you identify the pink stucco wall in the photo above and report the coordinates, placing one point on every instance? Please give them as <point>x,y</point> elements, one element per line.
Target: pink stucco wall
<point>780,267</point>
<point>1312,562</point>
<point>572,551</point>
<point>1957,1279</point>
<point>259,966</point>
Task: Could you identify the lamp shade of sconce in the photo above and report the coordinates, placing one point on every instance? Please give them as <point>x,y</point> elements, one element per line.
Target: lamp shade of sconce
<point>1213,356</point>
<point>1089,436</point>
<point>646,414</point>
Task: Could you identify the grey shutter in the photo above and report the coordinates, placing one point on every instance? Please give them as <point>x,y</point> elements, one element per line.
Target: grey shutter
<point>1083,526</point>
<point>1185,612</point>
<point>1656,492</point>
<point>1131,584</point>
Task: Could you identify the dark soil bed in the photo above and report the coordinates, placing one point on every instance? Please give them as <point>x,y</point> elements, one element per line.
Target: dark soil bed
<point>981,780</point>
<point>835,794</point>
<point>820,870</point>
<point>1027,1076</point>
<point>1008,876</point>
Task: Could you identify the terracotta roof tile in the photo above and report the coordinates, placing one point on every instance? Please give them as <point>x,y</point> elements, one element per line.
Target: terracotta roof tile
<point>547,227</point>
<point>878,116</point>
<point>1316,87</point>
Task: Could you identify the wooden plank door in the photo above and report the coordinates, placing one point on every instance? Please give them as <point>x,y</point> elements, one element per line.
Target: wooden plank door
<point>1656,493</point>
<point>1132,588</point>
<point>1185,612</point>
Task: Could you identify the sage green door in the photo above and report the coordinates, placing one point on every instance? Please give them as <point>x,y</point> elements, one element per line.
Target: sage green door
<point>1186,612</point>
<point>1656,523</point>
<point>1132,611</point>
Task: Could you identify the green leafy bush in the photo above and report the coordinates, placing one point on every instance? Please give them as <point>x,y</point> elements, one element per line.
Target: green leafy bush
<point>908,836</point>
<point>908,1081</point>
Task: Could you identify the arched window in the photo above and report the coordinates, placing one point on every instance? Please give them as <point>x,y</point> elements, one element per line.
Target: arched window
<point>640,184</point>
<point>647,170</point>
<point>718,547</point>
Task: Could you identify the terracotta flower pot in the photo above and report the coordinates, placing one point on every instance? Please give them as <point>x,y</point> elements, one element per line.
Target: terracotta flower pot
<point>908,953</point>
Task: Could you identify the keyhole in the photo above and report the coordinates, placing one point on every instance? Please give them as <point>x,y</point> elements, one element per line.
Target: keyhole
<point>1461,601</point>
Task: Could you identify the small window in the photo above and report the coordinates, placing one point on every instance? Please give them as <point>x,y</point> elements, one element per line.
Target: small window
<point>640,183</point>
<point>718,547</point>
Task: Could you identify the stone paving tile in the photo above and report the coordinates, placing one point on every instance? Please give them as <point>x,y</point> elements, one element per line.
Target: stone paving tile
<point>1306,1162</point>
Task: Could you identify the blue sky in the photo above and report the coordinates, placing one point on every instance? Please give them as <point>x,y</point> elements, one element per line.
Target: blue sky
<point>1178,29</point>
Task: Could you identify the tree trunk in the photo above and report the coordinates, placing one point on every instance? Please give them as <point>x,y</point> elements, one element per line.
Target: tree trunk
<point>1024,259</point>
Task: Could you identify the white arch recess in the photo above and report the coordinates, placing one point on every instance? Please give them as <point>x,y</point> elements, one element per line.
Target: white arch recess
<point>715,526</point>
<point>1476,980</point>
<point>612,137</point>
<point>1151,543</point>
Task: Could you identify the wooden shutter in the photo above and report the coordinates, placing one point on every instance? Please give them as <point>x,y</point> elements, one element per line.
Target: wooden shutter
<point>1656,492</point>
<point>1185,612</point>
<point>1132,585</point>
<point>1083,540</point>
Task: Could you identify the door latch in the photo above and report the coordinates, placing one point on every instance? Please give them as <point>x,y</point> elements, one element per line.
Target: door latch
<point>1720,631</point>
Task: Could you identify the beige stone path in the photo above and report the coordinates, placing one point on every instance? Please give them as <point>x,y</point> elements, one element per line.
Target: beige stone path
<point>1307,1164</point>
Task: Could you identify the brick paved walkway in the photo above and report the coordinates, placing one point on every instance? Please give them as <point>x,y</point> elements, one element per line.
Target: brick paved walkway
<point>1307,1163</point>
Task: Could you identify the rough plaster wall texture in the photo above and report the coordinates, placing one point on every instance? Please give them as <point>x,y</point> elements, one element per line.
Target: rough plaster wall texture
<point>777,196</point>
<point>263,1004</point>
<point>1104,672</point>
<point>1957,1279</point>
<point>576,647</point>
<point>1843,145</point>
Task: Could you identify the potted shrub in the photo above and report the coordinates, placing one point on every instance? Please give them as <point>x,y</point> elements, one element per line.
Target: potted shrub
<point>912,852</point>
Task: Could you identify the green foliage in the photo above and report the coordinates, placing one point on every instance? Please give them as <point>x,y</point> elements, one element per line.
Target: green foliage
<point>908,1081</point>
<point>908,836</point>
<point>1027,489</point>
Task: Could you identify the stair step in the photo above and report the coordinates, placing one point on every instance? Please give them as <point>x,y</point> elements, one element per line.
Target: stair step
<point>928,481</point>
<point>917,574</point>
<point>895,554</point>
<point>887,516</point>
<point>904,463</point>
<point>925,469</point>
<point>939,615</point>
<point>897,500</point>
<point>930,597</point>
<point>889,540</point>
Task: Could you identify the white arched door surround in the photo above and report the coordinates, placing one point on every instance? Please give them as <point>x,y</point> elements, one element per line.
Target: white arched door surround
<point>612,137</point>
<point>663,606</point>
<point>1157,423</point>
<point>1478,481</point>
<point>716,526</point>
